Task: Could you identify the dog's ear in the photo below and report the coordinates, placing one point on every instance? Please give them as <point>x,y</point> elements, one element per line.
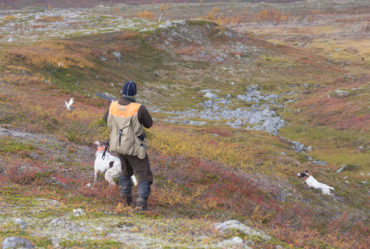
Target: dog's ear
<point>306,171</point>
<point>111,164</point>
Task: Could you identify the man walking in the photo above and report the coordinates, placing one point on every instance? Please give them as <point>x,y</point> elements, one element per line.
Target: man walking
<point>126,119</point>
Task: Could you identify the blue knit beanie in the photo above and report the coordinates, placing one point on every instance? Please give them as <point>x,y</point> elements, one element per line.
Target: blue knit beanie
<point>129,88</point>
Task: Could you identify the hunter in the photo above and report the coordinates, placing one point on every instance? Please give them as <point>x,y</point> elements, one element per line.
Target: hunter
<point>126,119</point>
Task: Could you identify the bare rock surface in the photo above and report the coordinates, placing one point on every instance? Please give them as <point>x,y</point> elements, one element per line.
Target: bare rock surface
<point>16,242</point>
<point>234,224</point>
<point>257,117</point>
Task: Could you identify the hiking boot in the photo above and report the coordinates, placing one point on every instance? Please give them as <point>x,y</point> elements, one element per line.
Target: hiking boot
<point>141,204</point>
<point>126,200</point>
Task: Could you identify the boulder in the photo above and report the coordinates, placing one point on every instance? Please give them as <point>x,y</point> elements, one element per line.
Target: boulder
<point>16,242</point>
<point>341,93</point>
<point>234,224</point>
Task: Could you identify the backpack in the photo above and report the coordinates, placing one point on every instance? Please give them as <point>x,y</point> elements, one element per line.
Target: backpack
<point>125,130</point>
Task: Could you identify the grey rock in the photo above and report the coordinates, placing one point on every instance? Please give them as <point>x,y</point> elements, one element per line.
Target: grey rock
<point>16,242</point>
<point>229,34</point>
<point>210,95</point>
<point>102,58</point>
<point>191,122</point>
<point>341,93</point>
<point>235,242</point>
<point>297,146</point>
<point>57,222</point>
<point>220,59</point>
<point>55,241</point>
<point>234,224</point>
<point>157,74</point>
<point>318,162</point>
<point>283,153</point>
<point>118,55</point>
<point>78,212</point>
<point>279,247</point>
<point>20,222</point>
<point>341,168</point>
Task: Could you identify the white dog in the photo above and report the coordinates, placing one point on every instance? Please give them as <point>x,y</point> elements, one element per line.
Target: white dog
<point>313,183</point>
<point>109,164</point>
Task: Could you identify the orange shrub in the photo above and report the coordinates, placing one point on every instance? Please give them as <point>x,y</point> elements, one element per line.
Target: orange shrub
<point>9,18</point>
<point>146,15</point>
<point>50,55</point>
<point>51,18</point>
<point>273,16</point>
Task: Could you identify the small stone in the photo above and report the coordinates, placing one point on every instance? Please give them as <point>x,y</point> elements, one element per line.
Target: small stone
<point>16,242</point>
<point>210,95</point>
<point>279,247</point>
<point>117,55</point>
<point>219,59</point>
<point>341,168</point>
<point>283,153</point>
<point>318,162</point>
<point>78,212</point>
<point>20,222</point>
<point>157,74</point>
<point>341,93</point>
<point>103,58</point>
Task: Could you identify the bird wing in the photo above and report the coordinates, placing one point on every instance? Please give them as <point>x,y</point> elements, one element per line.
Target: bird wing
<point>66,104</point>
<point>70,102</point>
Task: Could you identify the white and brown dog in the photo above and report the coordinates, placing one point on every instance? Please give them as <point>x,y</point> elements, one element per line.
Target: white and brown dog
<point>108,164</point>
<point>313,183</point>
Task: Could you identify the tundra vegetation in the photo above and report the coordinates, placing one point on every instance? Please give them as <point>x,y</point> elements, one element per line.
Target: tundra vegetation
<point>309,62</point>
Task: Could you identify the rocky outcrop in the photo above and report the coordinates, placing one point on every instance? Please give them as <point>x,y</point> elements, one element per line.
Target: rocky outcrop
<point>236,225</point>
<point>16,242</point>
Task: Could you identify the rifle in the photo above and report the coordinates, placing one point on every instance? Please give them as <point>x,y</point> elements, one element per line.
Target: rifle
<point>109,98</point>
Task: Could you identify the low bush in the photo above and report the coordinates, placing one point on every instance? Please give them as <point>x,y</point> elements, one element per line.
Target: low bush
<point>21,174</point>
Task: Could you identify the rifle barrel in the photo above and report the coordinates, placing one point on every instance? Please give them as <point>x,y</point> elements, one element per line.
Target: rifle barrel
<point>103,96</point>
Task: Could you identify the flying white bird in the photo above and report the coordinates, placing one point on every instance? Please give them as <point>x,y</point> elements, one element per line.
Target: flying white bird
<point>69,105</point>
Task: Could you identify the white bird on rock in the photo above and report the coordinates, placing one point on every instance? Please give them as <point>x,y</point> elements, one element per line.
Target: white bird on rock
<point>69,105</point>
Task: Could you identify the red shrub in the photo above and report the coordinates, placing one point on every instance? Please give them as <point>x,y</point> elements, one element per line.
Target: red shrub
<point>101,191</point>
<point>21,174</point>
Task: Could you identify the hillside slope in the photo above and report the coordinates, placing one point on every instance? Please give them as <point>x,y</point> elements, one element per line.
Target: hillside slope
<point>221,102</point>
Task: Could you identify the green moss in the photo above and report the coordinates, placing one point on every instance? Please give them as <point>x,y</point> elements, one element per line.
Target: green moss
<point>12,146</point>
